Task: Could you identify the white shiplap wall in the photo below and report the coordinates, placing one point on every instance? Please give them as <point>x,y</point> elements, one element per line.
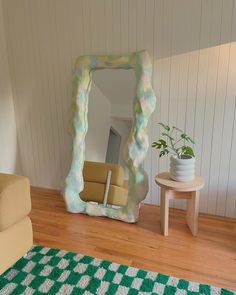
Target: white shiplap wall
<point>8,137</point>
<point>193,48</point>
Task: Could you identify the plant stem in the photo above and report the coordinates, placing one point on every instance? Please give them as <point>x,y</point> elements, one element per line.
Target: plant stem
<point>173,147</point>
<point>178,141</point>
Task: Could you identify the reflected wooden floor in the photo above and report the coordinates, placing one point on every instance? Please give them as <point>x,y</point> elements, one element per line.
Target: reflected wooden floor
<point>210,258</point>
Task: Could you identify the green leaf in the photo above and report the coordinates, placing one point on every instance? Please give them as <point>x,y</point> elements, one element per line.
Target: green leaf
<point>166,127</point>
<point>154,144</point>
<point>159,144</point>
<point>163,153</point>
<point>187,150</point>
<point>162,142</point>
<point>184,135</point>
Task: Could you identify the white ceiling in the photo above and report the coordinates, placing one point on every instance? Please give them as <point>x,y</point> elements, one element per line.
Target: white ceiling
<point>117,85</point>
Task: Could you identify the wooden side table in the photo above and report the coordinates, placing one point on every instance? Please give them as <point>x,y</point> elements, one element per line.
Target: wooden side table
<point>189,190</point>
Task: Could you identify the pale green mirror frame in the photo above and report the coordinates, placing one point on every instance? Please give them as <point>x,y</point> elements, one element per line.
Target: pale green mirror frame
<point>137,144</point>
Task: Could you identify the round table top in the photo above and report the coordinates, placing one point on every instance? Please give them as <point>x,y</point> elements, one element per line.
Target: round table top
<point>163,180</point>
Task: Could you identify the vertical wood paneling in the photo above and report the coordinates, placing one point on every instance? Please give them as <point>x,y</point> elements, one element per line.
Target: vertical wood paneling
<point>38,15</point>
<point>213,65</point>
<point>145,31</point>
<point>166,51</point>
<point>157,78</point>
<point>124,19</point>
<point>86,25</point>
<point>192,45</point>
<point>203,67</point>
<point>8,136</point>
<point>132,23</point>
<point>230,200</point>
<point>211,159</point>
<point>116,32</point>
<point>220,93</point>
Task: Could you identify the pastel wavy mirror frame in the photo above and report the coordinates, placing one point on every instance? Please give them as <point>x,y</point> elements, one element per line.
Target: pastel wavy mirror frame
<point>136,146</point>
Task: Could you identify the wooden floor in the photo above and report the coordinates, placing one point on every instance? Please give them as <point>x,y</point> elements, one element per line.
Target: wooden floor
<point>209,258</point>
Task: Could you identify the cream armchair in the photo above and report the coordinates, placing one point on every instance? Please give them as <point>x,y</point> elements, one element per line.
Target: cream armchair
<point>16,236</point>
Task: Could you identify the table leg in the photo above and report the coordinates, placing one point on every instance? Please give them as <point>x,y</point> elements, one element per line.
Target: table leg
<point>192,212</point>
<point>164,211</point>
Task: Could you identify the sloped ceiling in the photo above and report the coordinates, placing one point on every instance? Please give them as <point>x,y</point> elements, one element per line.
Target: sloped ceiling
<point>117,85</point>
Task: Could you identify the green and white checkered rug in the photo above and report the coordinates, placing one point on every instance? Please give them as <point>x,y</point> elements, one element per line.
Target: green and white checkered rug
<point>52,271</point>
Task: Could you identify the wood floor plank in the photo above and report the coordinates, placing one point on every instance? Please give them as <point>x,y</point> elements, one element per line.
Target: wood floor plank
<point>208,258</point>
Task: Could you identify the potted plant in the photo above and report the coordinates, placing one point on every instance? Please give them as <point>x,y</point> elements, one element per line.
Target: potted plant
<point>182,161</point>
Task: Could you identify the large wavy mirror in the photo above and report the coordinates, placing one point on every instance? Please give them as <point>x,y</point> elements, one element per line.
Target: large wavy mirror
<point>113,102</point>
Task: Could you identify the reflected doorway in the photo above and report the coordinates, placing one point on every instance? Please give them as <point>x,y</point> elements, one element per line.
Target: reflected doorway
<point>113,147</point>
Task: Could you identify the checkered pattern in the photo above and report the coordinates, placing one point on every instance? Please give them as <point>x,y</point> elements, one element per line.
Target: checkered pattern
<point>52,271</point>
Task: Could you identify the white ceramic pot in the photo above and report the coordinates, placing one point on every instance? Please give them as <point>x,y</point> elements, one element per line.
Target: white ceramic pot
<point>182,169</point>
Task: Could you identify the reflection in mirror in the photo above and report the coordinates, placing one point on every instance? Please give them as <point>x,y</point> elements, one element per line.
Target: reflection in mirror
<point>110,116</point>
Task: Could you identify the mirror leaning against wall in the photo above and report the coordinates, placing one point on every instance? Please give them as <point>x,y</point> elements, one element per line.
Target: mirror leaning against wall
<point>113,99</point>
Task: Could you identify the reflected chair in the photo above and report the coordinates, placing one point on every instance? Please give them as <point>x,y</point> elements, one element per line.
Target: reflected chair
<point>96,181</point>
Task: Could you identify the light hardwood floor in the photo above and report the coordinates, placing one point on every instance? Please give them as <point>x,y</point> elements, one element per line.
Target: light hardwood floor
<point>209,258</point>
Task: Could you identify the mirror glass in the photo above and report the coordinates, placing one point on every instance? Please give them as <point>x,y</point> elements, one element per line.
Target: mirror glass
<point>110,116</point>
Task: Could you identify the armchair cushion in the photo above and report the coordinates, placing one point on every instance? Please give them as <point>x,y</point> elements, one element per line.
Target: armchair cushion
<point>95,192</point>
<point>97,172</point>
<point>15,203</point>
<point>15,242</point>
